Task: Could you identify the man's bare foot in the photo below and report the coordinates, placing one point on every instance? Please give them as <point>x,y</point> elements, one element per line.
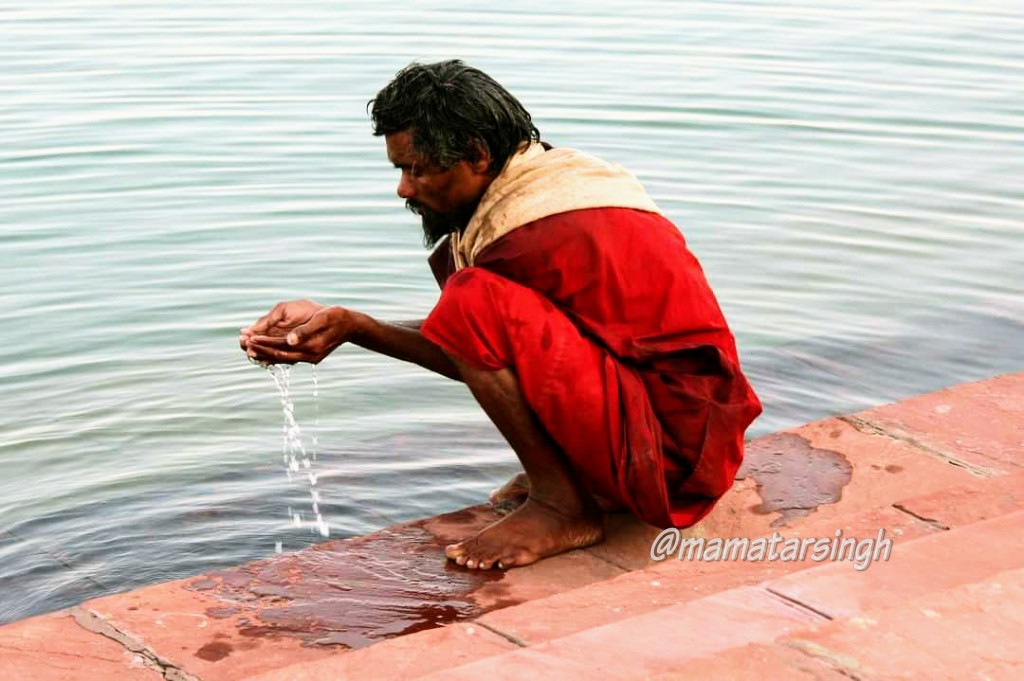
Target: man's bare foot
<point>533,531</point>
<point>516,489</point>
<point>513,493</point>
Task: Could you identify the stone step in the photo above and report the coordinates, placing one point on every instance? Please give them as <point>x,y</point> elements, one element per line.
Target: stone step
<point>674,581</point>
<point>973,631</point>
<point>54,647</point>
<point>651,643</point>
<point>940,561</point>
<point>388,605</point>
<point>665,639</point>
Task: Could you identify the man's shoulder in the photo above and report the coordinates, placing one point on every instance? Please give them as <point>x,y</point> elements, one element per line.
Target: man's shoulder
<point>612,219</point>
<point>595,229</point>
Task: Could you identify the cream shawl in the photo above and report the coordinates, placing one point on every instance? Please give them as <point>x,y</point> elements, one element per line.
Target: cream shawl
<point>536,184</point>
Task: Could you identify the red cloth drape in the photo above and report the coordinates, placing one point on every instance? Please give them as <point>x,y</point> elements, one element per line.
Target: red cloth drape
<point>621,350</point>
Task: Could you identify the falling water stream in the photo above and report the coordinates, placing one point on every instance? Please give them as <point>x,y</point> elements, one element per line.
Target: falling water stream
<point>299,460</point>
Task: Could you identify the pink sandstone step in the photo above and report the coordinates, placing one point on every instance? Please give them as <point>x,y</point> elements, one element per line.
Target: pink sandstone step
<point>675,581</point>
<point>943,560</point>
<point>774,661</point>
<point>979,499</point>
<point>672,582</point>
<point>55,648</point>
<point>308,610</point>
<point>879,470</point>
<point>923,567</point>
<point>970,632</point>
<point>648,644</point>
<point>980,424</point>
<point>973,631</point>
<point>400,658</point>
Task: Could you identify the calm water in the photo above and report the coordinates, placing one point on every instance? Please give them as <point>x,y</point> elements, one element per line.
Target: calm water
<point>849,174</point>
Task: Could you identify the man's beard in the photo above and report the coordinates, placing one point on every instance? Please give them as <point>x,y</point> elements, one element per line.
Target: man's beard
<point>437,225</point>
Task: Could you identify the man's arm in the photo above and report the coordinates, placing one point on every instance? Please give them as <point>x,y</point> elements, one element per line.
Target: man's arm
<point>403,340</point>
<point>303,331</point>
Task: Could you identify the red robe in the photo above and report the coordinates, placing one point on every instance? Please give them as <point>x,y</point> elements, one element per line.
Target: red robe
<point>645,395</point>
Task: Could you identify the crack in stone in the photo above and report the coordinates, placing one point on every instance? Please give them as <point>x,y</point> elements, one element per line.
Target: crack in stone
<point>843,664</point>
<point>872,428</point>
<point>789,600</point>
<point>97,624</point>
<point>929,521</point>
<point>611,562</point>
<point>514,640</point>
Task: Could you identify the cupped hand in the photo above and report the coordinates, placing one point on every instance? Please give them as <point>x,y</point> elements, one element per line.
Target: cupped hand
<point>298,331</point>
<point>281,319</point>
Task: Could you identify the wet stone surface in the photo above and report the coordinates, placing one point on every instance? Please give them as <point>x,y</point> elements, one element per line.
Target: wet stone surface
<point>794,478</point>
<point>350,593</point>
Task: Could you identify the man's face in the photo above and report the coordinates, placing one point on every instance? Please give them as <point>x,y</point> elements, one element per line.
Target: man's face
<point>444,199</point>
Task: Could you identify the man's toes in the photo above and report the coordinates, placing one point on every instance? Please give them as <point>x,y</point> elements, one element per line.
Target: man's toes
<point>456,551</point>
<point>507,561</point>
<point>517,559</point>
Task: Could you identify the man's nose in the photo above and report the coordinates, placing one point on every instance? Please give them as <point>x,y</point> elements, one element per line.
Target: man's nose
<point>405,189</point>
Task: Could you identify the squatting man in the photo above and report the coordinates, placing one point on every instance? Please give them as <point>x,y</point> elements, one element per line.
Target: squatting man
<point>570,307</point>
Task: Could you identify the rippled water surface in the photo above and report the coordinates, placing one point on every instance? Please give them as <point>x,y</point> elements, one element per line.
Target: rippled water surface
<point>850,176</point>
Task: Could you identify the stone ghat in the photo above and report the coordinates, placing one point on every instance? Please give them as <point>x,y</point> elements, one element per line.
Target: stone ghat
<point>942,474</point>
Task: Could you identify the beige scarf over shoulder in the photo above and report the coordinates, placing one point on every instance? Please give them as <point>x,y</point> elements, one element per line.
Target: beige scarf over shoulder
<point>536,184</point>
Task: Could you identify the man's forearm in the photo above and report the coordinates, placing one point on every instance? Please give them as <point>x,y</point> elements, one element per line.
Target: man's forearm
<point>403,340</point>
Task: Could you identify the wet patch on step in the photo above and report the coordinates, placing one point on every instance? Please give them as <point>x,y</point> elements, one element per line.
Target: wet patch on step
<point>794,478</point>
<point>348,593</point>
<point>216,650</point>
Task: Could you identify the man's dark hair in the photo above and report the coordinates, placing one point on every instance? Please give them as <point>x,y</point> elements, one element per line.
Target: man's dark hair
<point>454,112</point>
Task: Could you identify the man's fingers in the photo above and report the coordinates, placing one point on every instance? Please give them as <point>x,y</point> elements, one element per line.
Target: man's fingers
<point>271,355</point>
<point>279,342</point>
<point>271,340</point>
<point>268,321</point>
<point>305,332</point>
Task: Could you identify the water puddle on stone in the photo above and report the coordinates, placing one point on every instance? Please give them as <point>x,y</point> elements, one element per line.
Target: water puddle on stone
<point>794,478</point>
<point>299,461</point>
<point>352,592</point>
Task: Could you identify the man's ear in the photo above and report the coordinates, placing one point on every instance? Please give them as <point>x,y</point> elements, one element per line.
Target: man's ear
<point>482,164</point>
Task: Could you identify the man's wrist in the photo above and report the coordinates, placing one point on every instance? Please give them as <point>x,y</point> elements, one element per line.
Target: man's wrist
<point>358,324</point>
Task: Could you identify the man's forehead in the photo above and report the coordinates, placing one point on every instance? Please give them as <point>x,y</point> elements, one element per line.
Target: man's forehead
<point>400,147</point>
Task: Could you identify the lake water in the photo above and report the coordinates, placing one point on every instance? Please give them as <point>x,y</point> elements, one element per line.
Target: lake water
<point>850,175</point>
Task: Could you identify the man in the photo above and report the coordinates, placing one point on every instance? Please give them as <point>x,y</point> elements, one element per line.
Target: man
<point>569,306</point>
